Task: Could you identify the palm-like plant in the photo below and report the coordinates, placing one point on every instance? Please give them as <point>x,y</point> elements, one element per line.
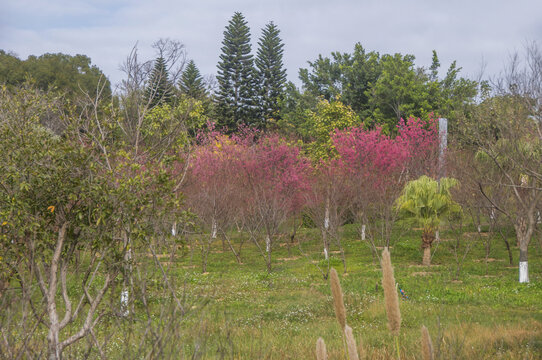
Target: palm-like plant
<point>425,203</point>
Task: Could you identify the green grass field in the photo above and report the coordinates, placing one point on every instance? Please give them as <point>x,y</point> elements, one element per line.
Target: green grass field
<point>246,313</point>
<point>240,311</point>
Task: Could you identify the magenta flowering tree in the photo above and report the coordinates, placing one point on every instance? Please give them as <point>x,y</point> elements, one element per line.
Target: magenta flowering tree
<point>379,166</point>
<point>274,180</point>
<point>212,187</point>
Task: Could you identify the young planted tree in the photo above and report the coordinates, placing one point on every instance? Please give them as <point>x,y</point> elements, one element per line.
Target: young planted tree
<point>328,203</point>
<point>425,203</point>
<point>270,75</point>
<point>235,96</point>
<point>274,179</point>
<point>212,188</point>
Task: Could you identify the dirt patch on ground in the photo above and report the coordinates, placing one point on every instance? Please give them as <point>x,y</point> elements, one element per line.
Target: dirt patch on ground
<point>421,273</point>
<point>488,260</point>
<point>422,266</point>
<point>289,258</point>
<point>475,233</point>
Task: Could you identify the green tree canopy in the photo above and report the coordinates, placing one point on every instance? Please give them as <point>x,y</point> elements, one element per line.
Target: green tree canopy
<point>191,83</point>
<point>271,75</point>
<point>235,94</point>
<point>159,88</point>
<point>70,75</point>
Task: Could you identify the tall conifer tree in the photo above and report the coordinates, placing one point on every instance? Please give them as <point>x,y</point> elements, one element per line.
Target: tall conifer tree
<point>271,75</point>
<point>159,89</point>
<point>191,83</point>
<point>235,76</point>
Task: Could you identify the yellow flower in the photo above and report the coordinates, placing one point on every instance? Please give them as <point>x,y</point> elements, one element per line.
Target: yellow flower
<point>51,209</point>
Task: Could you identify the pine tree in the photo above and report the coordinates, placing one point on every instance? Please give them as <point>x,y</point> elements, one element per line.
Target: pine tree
<point>235,76</point>
<point>270,74</point>
<point>191,83</point>
<point>159,88</point>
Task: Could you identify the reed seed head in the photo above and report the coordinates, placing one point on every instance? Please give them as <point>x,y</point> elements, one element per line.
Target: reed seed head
<point>427,345</point>
<point>321,353</point>
<point>390,294</point>
<point>338,302</point>
<point>351,343</point>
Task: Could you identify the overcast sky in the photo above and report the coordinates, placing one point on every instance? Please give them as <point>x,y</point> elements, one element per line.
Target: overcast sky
<point>469,31</point>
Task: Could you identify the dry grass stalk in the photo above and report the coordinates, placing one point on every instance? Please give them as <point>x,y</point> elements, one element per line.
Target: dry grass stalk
<point>390,294</point>
<point>351,343</point>
<point>338,302</point>
<point>361,350</point>
<point>321,353</point>
<point>427,346</point>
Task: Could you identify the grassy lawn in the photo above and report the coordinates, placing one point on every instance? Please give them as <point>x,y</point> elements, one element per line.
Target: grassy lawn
<point>484,313</point>
<point>240,311</point>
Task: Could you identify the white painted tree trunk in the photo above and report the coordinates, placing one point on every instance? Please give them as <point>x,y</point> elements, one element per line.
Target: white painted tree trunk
<point>124,302</point>
<point>479,228</point>
<point>523,272</point>
<point>124,295</point>
<point>437,236</point>
<point>325,253</point>
<point>326,216</point>
<point>213,229</point>
<point>267,244</point>
<point>363,232</point>
<point>174,229</point>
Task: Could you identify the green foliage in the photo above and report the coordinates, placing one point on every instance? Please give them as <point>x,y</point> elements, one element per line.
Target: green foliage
<point>270,75</point>
<point>347,75</point>
<point>235,77</point>
<point>191,83</point>
<point>70,75</point>
<point>295,110</point>
<point>328,117</point>
<point>382,89</point>
<point>159,87</point>
<point>398,93</point>
<point>426,202</point>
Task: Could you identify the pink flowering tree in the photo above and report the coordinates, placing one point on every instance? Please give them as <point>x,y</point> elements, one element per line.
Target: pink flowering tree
<point>329,203</point>
<point>274,179</point>
<point>212,187</point>
<point>379,166</point>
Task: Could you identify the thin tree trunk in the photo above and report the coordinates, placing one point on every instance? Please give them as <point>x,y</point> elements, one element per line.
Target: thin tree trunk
<point>523,265</point>
<point>54,348</point>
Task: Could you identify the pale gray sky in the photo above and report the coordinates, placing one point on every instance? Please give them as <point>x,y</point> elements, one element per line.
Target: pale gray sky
<point>471,32</point>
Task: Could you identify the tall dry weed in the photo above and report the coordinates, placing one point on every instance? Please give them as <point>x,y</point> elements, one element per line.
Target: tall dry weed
<point>321,353</point>
<point>390,294</point>
<point>351,343</point>
<point>427,345</point>
<point>338,302</point>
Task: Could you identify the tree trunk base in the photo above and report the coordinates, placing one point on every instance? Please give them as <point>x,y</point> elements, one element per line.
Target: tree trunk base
<point>523,272</point>
<point>426,256</point>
